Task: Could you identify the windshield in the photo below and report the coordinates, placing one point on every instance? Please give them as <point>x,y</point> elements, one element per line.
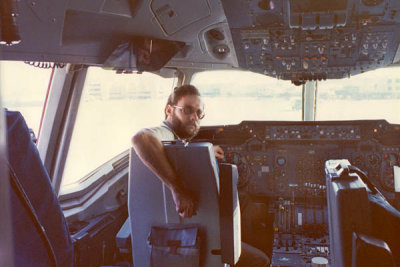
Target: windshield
<point>367,96</point>
<point>233,96</point>
<point>112,109</point>
<point>114,106</point>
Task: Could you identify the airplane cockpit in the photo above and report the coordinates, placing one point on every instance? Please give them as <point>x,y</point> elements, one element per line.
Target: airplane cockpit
<point>303,97</point>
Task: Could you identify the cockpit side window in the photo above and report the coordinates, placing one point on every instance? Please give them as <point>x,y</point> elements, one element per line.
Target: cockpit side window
<point>112,109</point>
<point>23,88</point>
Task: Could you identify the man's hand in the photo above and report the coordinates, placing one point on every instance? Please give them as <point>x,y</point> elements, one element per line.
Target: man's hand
<point>184,203</point>
<point>219,152</point>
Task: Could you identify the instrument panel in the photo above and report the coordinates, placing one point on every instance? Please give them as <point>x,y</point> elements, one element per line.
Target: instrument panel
<point>286,159</point>
<point>306,40</point>
<point>281,167</point>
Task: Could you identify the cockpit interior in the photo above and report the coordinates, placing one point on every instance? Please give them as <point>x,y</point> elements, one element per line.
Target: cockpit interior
<point>303,96</point>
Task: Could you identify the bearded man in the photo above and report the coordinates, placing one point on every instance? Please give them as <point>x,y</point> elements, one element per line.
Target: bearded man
<point>183,113</point>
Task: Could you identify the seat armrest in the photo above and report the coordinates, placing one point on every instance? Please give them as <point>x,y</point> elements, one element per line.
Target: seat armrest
<point>123,238</point>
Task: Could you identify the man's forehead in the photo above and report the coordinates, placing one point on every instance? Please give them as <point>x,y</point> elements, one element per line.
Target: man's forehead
<point>190,100</point>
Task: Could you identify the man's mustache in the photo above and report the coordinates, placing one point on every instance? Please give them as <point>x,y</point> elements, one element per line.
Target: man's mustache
<point>192,124</point>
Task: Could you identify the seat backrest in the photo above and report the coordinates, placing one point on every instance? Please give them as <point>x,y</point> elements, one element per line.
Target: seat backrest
<point>36,212</point>
<point>347,205</point>
<point>150,202</point>
<point>363,226</point>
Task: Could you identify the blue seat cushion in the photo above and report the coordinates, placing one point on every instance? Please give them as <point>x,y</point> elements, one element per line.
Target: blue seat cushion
<point>24,159</point>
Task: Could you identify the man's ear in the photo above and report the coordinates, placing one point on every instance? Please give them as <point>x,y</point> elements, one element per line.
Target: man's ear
<point>169,110</point>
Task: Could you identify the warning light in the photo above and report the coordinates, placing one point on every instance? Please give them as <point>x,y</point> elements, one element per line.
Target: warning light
<point>386,156</point>
<point>251,131</point>
<point>375,130</point>
<point>220,129</point>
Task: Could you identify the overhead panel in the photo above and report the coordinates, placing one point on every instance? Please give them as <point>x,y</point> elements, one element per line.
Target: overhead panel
<point>306,40</point>
<point>323,14</point>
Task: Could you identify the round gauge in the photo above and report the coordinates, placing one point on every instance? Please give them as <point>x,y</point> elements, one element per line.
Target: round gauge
<point>281,161</point>
<point>234,158</point>
<point>374,160</point>
<point>254,145</point>
<point>241,163</point>
<point>387,175</point>
<point>243,170</point>
<point>387,180</point>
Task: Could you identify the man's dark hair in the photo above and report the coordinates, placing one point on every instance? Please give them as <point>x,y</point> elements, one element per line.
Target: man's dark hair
<point>180,92</point>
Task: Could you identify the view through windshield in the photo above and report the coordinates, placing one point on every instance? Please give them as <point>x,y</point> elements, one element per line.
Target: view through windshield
<point>115,106</point>
<point>23,89</point>
<point>234,96</point>
<point>367,96</point>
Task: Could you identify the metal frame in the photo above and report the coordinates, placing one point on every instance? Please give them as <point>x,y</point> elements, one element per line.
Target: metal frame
<point>309,101</point>
<point>59,119</point>
<point>6,240</point>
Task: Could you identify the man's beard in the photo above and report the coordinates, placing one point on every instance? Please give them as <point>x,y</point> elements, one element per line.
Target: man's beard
<point>180,128</point>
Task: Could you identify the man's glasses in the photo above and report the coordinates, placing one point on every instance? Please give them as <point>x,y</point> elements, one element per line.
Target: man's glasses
<point>190,110</point>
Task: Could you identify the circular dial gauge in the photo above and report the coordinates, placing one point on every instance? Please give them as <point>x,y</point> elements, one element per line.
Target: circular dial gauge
<point>281,161</point>
<point>243,168</point>
<point>374,160</point>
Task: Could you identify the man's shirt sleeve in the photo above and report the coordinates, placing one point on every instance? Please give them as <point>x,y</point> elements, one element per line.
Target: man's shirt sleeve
<point>162,132</point>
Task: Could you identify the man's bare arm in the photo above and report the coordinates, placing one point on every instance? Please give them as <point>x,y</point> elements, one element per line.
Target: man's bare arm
<point>151,151</point>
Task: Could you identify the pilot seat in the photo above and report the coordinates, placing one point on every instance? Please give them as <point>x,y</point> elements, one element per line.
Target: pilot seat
<point>160,237</point>
<point>39,229</point>
<point>364,228</point>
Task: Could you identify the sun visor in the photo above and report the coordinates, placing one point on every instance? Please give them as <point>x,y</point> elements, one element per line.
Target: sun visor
<point>142,54</point>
